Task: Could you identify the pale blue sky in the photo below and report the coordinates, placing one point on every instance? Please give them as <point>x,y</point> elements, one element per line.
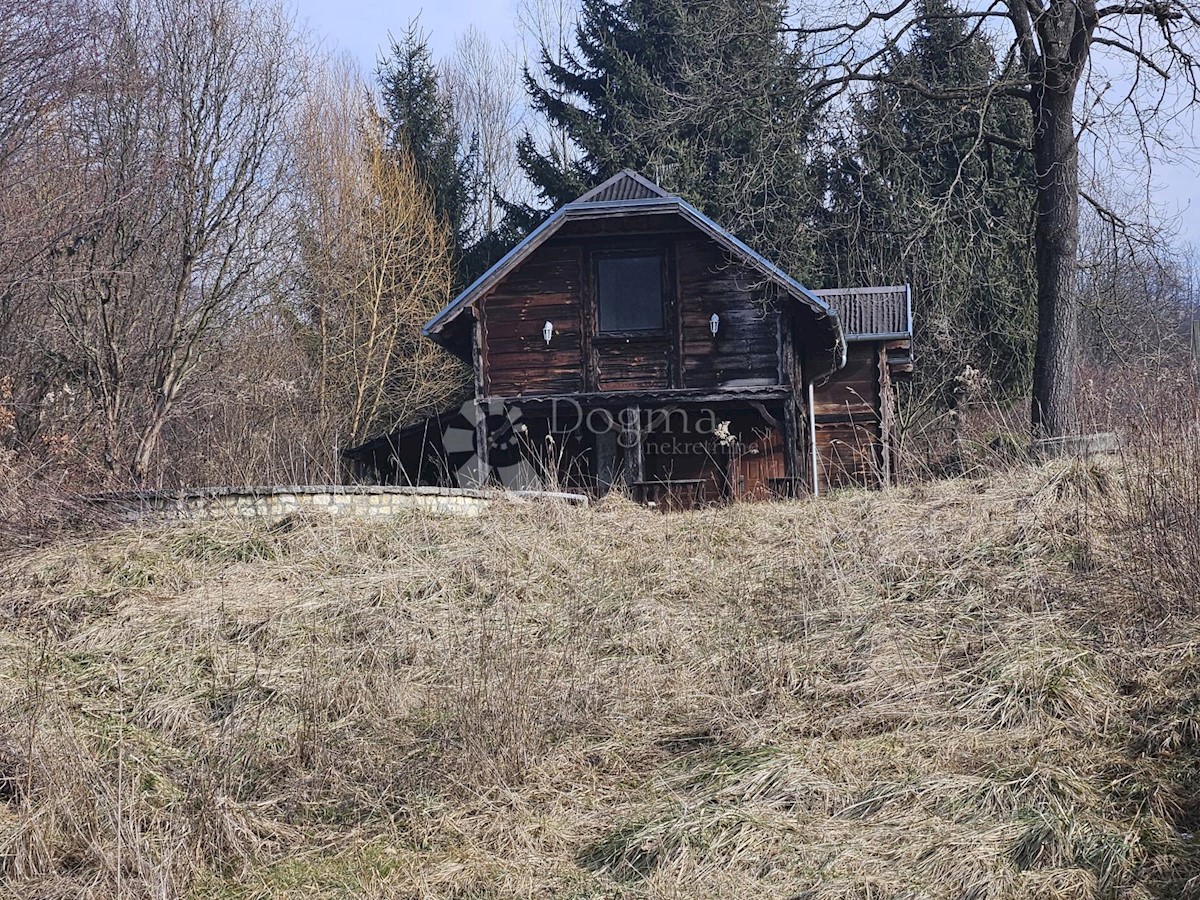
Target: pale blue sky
<point>360,27</point>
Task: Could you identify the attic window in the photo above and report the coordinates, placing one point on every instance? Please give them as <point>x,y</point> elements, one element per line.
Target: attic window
<point>629,292</point>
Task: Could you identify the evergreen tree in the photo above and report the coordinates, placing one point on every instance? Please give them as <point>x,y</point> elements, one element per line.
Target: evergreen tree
<point>420,122</point>
<point>707,98</point>
<point>915,195</point>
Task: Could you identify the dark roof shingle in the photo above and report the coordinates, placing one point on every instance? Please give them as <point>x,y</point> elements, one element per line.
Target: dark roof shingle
<point>625,185</point>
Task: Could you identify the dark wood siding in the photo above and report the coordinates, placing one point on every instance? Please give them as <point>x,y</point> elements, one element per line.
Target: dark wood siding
<point>630,364</point>
<point>745,349</point>
<point>555,284</point>
<point>761,466</point>
<point>854,390</point>
<point>847,410</point>
<point>546,288</point>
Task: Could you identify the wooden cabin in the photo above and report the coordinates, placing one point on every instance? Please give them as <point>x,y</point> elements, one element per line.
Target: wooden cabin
<point>631,339</point>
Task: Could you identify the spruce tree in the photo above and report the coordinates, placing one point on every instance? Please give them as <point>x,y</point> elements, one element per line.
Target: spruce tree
<point>419,121</point>
<point>707,98</point>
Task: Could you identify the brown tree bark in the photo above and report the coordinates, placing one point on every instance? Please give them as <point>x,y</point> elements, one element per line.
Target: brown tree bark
<point>1064,38</point>
<point>1056,237</point>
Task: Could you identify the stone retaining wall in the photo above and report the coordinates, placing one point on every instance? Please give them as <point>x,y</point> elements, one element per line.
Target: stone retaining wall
<point>277,502</point>
<point>1076,445</point>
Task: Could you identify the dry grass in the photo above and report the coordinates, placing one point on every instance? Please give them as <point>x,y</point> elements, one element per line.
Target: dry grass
<point>39,500</point>
<point>941,691</point>
<point>1156,516</point>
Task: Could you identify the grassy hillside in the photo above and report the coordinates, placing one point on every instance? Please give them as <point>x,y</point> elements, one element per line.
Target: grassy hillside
<point>972,689</point>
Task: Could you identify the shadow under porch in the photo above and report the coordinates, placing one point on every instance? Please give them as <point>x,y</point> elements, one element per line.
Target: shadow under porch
<point>680,454</point>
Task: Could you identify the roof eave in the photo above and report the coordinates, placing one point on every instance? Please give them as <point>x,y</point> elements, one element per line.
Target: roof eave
<point>882,336</point>
<point>579,209</point>
<point>495,273</point>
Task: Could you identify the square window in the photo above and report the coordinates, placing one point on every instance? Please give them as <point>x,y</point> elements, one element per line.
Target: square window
<point>629,292</point>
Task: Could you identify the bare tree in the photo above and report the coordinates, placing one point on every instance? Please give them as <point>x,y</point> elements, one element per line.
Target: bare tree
<point>483,82</point>
<point>547,29</point>
<point>182,153</point>
<point>40,42</point>
<point>44,60</point>
<point>1135,293</point>
<point>376,265</point>
<point>1074,62</point>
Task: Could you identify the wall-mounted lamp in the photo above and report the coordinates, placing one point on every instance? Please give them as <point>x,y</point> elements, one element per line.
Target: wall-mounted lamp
<point>548,332</point>
<point>714,324</point>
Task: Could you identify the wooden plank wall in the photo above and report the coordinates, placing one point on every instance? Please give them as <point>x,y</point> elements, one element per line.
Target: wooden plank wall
<point>632,363</point>
<point>745,349</point>
<point>760,465</point>
<point>516,360</point>
<point>554,285</point>
<point>750,471</point>
<point>848,410</point>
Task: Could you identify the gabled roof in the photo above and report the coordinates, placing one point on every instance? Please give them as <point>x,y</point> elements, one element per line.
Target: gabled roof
<point>625,185</point>
<point>872,313</point>
<point>608,200</point>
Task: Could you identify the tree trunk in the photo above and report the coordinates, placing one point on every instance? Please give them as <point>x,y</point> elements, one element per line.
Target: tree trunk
<point>164,405</point>
<point>148,445</point>
<point>1056,236</point>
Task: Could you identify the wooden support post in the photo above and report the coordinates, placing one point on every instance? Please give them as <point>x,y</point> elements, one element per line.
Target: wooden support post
<point>885,416</point>
<point>482,467</point>
<point>606,459</point>
<point>812,443</point>
<point>791,444</point>
<point>633,442</point>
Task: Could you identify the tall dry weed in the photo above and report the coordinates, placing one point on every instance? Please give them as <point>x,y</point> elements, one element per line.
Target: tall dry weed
<point>1155,515</point>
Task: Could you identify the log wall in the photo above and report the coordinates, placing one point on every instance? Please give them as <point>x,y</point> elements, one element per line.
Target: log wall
<point>847,409</point>
<point>516,360</point>
<point>555,284</point>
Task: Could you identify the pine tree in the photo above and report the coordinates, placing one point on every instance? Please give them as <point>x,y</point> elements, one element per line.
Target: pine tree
<point>707,98</point>
<point>915,195</point>
<point>419,122</point>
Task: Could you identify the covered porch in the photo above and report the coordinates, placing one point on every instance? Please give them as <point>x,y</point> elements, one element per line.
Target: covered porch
<point>687,450</point>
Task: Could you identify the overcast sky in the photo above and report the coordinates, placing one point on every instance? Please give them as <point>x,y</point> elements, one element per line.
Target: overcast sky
<point>360,27</point>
